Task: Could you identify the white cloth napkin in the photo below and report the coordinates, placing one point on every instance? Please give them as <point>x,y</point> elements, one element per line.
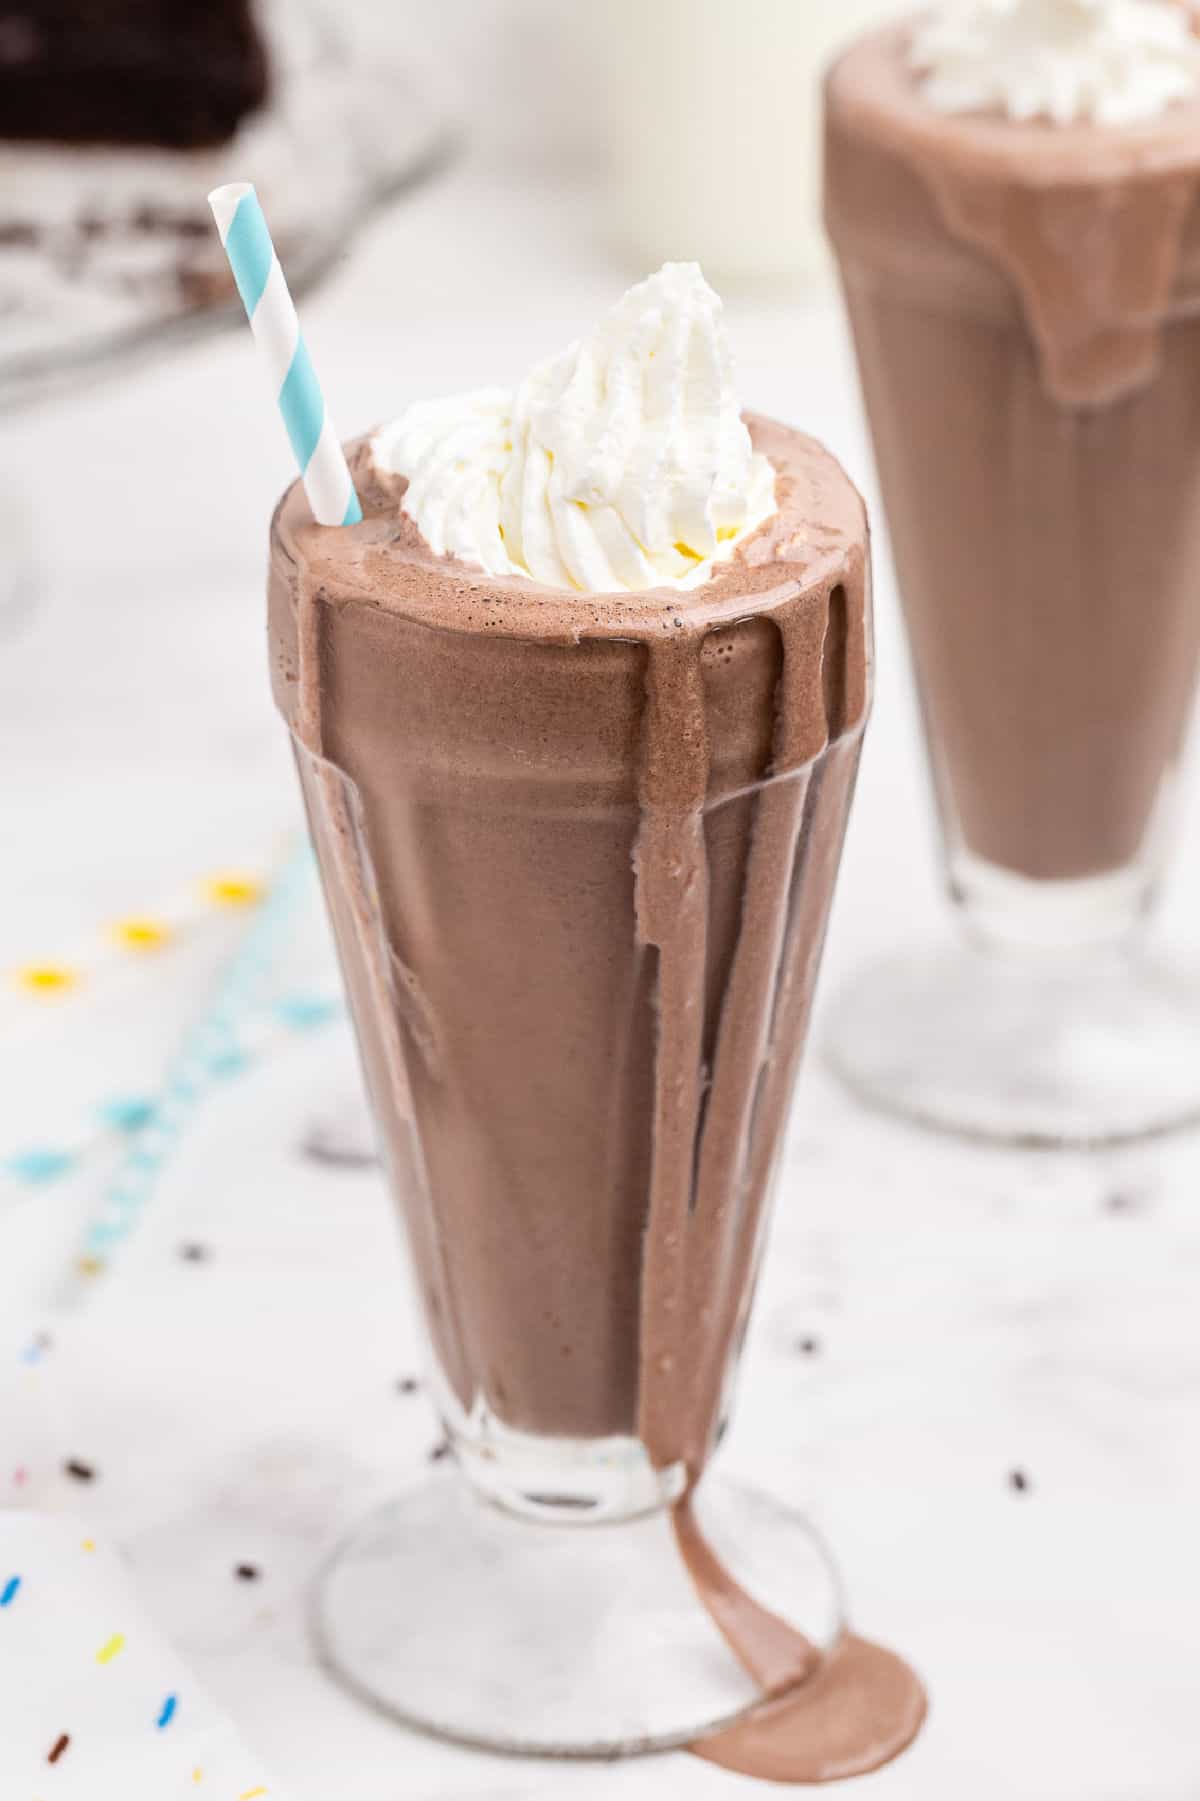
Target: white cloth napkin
<point>94,1703</point>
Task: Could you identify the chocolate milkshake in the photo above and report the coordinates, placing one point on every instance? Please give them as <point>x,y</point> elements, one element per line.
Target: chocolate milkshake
<point>579,851</point>
<point>1013,193</point>
<point>1021,263</point>
<point>578,708</point>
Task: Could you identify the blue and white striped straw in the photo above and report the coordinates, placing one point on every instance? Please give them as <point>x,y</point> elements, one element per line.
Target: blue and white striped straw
<point>272,315</point>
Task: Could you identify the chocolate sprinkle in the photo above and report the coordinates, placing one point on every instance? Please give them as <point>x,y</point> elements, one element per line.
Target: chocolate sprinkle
<point>60,1745</point>
<point>327,1143</point>
<point>1125,1200</point>
<point>439,1451</point>
<point>247,1572</point>
<point>408,1385</point>
<point>194,1253</point>
<point>1019,1482</point>
<point>808,1347</point>
<point>82,1472</point>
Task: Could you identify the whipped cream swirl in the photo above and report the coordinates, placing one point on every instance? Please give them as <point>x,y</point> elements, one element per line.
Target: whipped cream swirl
<point>622,463</point>
<point>1113,62</point>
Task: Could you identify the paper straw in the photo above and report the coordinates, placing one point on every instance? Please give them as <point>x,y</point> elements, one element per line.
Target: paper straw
<point>272,315</point>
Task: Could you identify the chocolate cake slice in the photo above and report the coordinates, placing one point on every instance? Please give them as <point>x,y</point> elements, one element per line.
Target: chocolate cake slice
<point>176,74</point>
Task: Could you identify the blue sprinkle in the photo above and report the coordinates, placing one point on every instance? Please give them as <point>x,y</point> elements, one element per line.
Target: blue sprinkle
<point>303,1011</point>
<point>8,1592</point>
<point>128,1113</point>
<point>214,1033</point>
<point>228,1063</point>
<point>39,1165</point>
<point>168,1712</point>
<point>104,1234</point>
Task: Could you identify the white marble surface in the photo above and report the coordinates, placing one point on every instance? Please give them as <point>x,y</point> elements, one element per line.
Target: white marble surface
<point>973,1313</point>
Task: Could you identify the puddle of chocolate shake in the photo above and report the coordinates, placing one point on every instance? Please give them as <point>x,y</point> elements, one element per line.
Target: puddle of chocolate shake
<point>827,1715</point>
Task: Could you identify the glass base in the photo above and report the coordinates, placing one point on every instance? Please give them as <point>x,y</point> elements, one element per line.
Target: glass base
<point>561,1481</point>
<point>549,1640</point>
<point>1101,1047</point>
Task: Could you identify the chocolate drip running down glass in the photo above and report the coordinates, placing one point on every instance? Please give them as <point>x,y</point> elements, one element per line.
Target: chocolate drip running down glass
<point>1024,296</point>
<point>578,849</point>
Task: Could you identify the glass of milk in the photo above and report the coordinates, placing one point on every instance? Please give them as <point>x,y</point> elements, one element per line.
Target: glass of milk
<point>713,117</point>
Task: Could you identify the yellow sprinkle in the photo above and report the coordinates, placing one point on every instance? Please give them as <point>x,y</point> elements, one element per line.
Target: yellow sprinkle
<point>252,1794</point>
<point>233,890</point>
<point>89,1544</point>
<point>91,1266</point>
<point>197,1774</point>
<point>113,1648</point>
<point>47,978</point>
<point>141,934</point>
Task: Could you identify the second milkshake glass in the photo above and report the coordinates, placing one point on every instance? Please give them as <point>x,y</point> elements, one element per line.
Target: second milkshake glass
<point>579,853</point>
<point>1024,303</point>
